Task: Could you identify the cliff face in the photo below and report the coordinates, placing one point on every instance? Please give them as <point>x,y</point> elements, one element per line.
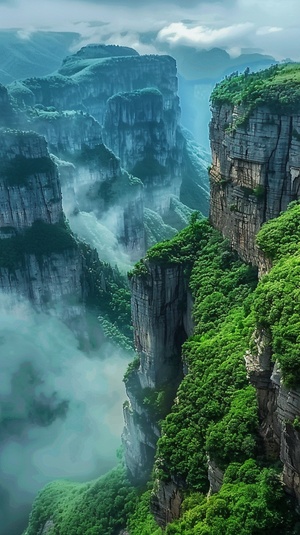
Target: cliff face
<point>130,103</point>
<point>52,283</point>
<point>7,114</point>
<point>88,82</point>
<point>160,314</point>
<point>66,132</point>
<point>255,172</point>
<point>32,264</point>
<point>254,176</point>
<point>29,182</point>
<point>99,79</point>
<point>278,409</point>
<point>144,135</point>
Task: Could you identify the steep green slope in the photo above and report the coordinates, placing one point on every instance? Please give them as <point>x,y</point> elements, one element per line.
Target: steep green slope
<point>215,413</point>
<point>215,410</point>
<point>68,508</point>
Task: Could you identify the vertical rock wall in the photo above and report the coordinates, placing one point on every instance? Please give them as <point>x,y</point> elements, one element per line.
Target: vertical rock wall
<point>30,193</point>
<point>159,312</point>
<point>255,172</point>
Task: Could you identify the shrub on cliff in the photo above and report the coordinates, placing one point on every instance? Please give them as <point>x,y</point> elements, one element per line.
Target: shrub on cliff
<point>215,392</point>
<point>277,87</point>
<point>276,304</point>
<point>251,500</point>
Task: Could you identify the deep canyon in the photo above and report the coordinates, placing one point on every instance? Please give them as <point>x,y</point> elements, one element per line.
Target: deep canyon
<point>96,172</point>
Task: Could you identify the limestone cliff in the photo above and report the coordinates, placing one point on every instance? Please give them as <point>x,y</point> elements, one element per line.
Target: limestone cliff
<point>255,174</point>
<point>39,258</point>
<point>29,182</point>
<point>255,171</point>
<point>87,83</point>
<point>134,98</point>
<point>161,312</point>
<point>279,407</point>
<point>67,132</point>
<point>145,136</point>
<point>8,116</point>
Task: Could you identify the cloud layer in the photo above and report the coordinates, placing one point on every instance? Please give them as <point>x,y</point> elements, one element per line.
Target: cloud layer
<point>231,24</point>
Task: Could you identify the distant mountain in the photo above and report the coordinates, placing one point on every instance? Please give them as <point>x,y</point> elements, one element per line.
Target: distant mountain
<point>36,55</point>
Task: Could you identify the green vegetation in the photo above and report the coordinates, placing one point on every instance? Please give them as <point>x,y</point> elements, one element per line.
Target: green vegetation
<point>215,412</point>
<point>98,155</point>
<point>108,294</point>
<point>280,237</point>
<point>101,506</point>
<point>137,94</point>
<point>251,501</point>
<point>277,87</point>
<point>17,172</point>
<point>41,239</point>
<point>277,305</point>
<point>216,408</point>
<point>50,87</point>
<point>142,522</point>
<point>155,228</point>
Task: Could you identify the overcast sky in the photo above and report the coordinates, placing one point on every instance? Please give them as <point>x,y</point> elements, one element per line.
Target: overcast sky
<point>268,26</point>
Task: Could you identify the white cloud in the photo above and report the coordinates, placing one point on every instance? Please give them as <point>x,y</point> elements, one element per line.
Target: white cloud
<point>203,36</point>
<point>268,29</point>
<point>271,26</point>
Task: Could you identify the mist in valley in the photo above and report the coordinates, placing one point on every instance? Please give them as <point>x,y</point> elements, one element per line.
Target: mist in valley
<point>61,409</point>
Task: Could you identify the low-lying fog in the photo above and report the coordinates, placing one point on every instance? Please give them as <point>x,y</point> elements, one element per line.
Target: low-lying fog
<point>61,410</point>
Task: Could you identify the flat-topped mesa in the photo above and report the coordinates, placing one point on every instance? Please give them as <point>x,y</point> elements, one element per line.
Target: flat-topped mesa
<point>98,51</point>
<point>255,142</point>
<point>145,137</point>
<point>29,183</point>
<point>87,83</point>
<point>102,78</point>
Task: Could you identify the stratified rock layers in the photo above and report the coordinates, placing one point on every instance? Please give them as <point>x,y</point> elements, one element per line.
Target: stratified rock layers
<point>30,194</point>
<point>145,136</point>
<point>160,312</point>
<point>255,172</point>
<point>29,185</point>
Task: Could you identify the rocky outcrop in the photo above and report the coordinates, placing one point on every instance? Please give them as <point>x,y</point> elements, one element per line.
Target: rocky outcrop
<point>32,263</point>
<point>255,172</point>
<point>53,283</point>
<point>166,503</point>
<point>135,98</point>
<point>145,137</point>
<point>67,132</point>
<point>7,112</point>
<point>29,185</point>
<point>159,312</point>
<point>87,83</point>
<point>279,410</point>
